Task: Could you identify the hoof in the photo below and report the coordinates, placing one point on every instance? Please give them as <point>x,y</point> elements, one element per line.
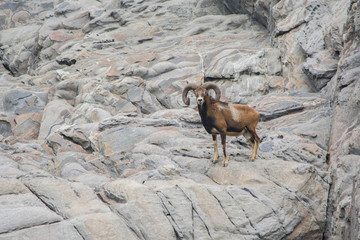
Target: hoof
<point>214,161</point>
<point>225,164</point>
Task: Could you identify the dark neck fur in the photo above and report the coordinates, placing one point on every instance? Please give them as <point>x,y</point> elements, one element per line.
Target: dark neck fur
<point>207,121</point>
<point>203,111</point>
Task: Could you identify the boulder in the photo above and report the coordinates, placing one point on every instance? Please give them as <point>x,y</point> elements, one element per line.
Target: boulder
<point>58,143</point>
<point>21,202</point>
<point>77,22</point>
<point>320,68</point>
<point>232,63</point>
<point>268,176</point>
<point>21,48</point>
<point>343,153</point>
<point>141,208</point>
<point>66,7</point>
<point>55,114</point>
<point>90,113</point>
<point>5,127</point>
<point>272,107</point>
<point>52,231</point>
<point>121,139</point>
<point>9,168</point>
<point>22,101</point>
<point>79,204</point>
<point>346,196</point>
<point>27,126</point>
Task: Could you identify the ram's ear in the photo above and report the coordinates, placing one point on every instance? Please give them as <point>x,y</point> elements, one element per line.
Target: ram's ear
<point>189,87</point>
<point>214,87</point>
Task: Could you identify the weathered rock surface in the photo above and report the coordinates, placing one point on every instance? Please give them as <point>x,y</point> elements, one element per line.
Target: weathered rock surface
<point>96,142</point>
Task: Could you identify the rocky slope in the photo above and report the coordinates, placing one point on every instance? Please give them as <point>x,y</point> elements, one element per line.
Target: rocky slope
<point>97,144</point>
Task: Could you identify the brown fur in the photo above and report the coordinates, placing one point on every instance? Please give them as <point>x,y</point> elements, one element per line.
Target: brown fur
<point>224,119</point>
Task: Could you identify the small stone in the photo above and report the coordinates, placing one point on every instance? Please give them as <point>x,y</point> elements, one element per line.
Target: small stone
<point>266,146</point>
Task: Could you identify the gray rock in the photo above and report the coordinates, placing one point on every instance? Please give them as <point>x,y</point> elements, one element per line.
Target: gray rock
<point>122,86</point>
<point>266,146</point>
<point>66,7</point>
<point>269,198</point>
<point>12,99</point>
<point>52,231</point>
<point>91,179</point>
<point>58,143</point>
<point>311,37</point>
<point>233,62</point>
<point>80,135</point>
<point>94,93</point>
<point>32,211</point>
<point>28,126</point>
<point>198,165</point>
<point>146,218</point>
<point>124,106</point>
<point>71,170</point>
<point>20,101</point>
<point>55,114</point>
<point>5,128</point>
<point>76,22</point>
<point>79,203</point>
<point>90,113</point>
<point>294,19</point>
<point>343,152</point>
<point>21,48</point>
<point>122,138</point>
<point>12,186</point>
<point>134,94</point>
<point>104,20</point>
<point>294,148</point>
<point>313,125</point>
<point>178,206</point>
<point>348,77</point>
<point>161,68</point>
<point>270,110</point>
<point>149,103</point>
<point>92,226</point>
<point>9,168</point>
<point>320,68</point>
<point>353,143</point>
<point>345,196</point>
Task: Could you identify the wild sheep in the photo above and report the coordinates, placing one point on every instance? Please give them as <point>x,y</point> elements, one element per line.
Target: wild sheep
<point>223,118</point>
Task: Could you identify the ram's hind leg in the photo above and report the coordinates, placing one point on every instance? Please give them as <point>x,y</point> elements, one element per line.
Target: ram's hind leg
<point>223,142</point>
<point>216,152</point>
<point>254,140</point>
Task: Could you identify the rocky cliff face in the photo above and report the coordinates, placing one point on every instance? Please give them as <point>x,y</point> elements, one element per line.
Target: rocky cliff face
<point>97,144</point>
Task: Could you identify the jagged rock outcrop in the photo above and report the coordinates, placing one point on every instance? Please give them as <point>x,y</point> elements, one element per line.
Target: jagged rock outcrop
<point>96,142</point>
<point>343,212</point>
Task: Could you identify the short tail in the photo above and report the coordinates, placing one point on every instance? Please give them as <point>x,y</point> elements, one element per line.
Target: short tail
<point>263,117</point>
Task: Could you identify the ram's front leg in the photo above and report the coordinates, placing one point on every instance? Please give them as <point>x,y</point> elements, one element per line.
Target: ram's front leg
<point>223,142</point>
<point>216,152</point>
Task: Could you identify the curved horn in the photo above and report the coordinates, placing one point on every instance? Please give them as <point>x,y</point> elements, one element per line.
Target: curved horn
<point>214,87</point>
<point>189,87</point>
